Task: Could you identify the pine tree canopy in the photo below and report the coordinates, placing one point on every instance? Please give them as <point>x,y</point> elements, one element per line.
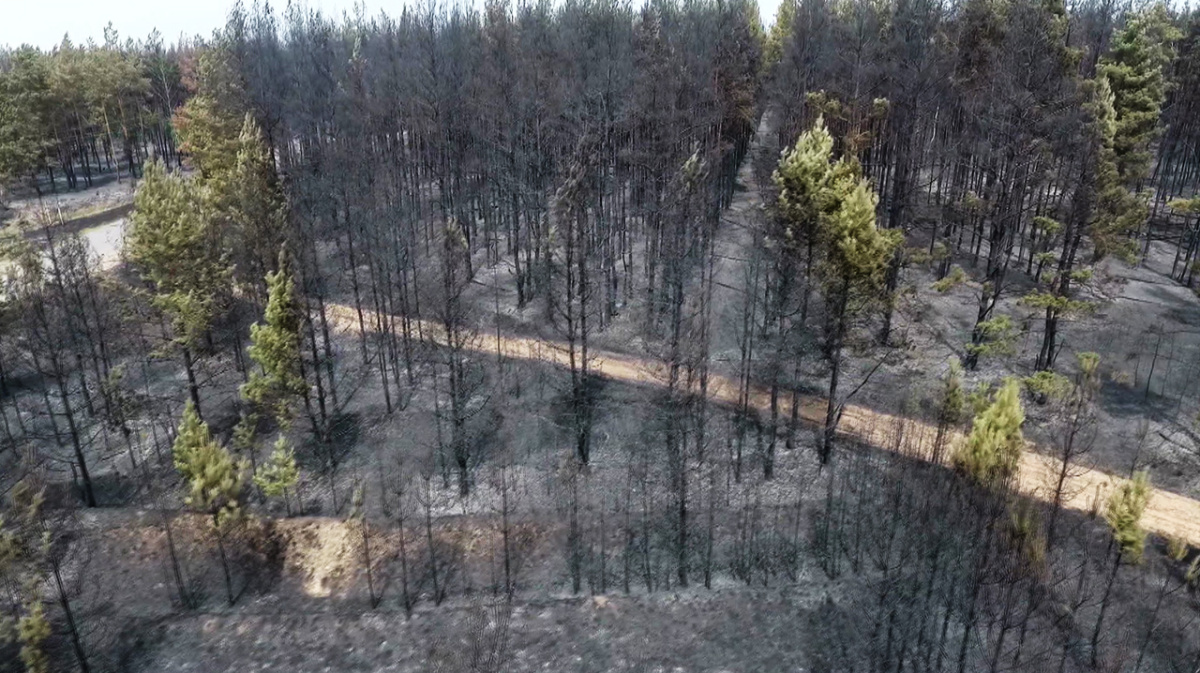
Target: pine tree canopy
<point>171,242</point>
<point>857,250</point>
<point>210,121</point>
<point>257,209</point>
<point>802,178</point>
<point>169,237</point>
<point>1123,513</point>
<point>191,435</point>
<point>992,450</point>
<point>780,33</point>
<point>1135,67</point>
<point>275,346</point>
<point>1117,212</point>
<point>214,477</point>
<point>280,474</point>
<point>25,135</point>
<point>33,630</point>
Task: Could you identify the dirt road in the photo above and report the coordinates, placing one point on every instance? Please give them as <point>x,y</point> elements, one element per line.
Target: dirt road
<point>1086,489</point>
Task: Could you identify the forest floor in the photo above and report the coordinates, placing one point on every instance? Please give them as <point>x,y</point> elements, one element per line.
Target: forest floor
<point>682,631</point>
<point>312,613</point>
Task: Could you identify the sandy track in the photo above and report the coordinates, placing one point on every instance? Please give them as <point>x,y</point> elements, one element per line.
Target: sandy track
<point>1086,489</point>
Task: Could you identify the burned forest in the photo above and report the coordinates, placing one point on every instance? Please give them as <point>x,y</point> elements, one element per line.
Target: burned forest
<point>589,335</point>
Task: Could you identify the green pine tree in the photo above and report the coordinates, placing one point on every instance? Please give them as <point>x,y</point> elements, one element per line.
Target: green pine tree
<point>33,629</point>
<point>779,35</point>
<point>245,440</point>
<point>213,475</point>
<point>1185,206</point>
<point>1134,66</point>
<point>22,551</point>
<point>235,165</point>
<point>245,434</point>
<point>278,478</point>
<point>830,207</point>
<point>172,244</point>
<point>997,338</point>
<point>1117,213</point>
<point>191,435</point>
<point>210,121</point>
<point>257,209</point>
<point>25,117</point>
<point>25,562</point>
<point>170,238</point>
<point>855,256</point>
<point>802,178</point>
<point>992,452</point>
<point>1123,513</point>
<point>856,250</point>
<point>214,481</point>
<point>275,348</point>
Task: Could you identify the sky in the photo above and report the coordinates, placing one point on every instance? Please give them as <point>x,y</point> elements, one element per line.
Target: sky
<point>42,23</point>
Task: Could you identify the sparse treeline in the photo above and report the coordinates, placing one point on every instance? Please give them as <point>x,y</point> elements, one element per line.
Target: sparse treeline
<point>388,199</point>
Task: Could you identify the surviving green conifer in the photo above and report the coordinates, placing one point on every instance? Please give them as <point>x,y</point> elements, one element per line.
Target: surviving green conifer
<point>33,629</point>
<point>213,475</point>
<point>23,548</point>
<point>803,177</point>
<point>275,347</point>
<point>779,35</point>
<point>244,434</point>
<point>1134,67</point>
<point>214,480</point>
<point>171,243</point>
<point>855,255</point>
<point>209,122</point>
<point>256,207</point>
<point>1123,513</point>
<point>216,486</point>
<point>279,476</point>
<point>831,207</point>
<point>1117,212</point>
<point>992,452</point>
<point>216,483</point>
<point>191,435</point>
<point>169,238</point>
<point>856,250</point>
<point>25,129</point>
